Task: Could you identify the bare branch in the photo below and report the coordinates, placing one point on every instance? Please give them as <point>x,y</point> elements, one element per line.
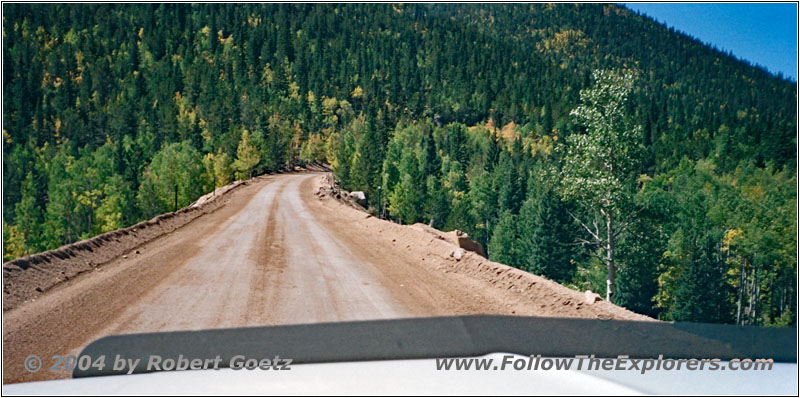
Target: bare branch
<point>594,234</point>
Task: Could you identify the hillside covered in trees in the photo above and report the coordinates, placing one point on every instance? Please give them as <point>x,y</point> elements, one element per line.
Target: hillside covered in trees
<point>504,121</point>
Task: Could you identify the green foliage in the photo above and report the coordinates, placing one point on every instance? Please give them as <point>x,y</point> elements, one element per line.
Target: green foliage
<point>482,199</point>
<point>222,168</point>
<point>172,174</point>
<point>599,167</point>
<point>510,192</point>
<point>247,157</point>
<point>13,242</point>
<point>706,257</point>
<point>436,208</point>
<point>275,150</point>
<point>549,237</point>
<point>28,217</point>
<point>366,160</point>
<point>590,275</point>
<point>403,180</point>
<point>404,200</point>
<point>106,108</point>
<point>641,253</point>
<point>110,214</point>
<point>405,196</point>
<point>505,238</point>
<point>79,188</point>
<point>313,150</point>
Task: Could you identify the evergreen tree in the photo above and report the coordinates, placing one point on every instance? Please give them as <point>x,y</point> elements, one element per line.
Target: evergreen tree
<point>510,193</point>
<point>482,198</point>
<point>701,294</point>
<point>548,237</point>
<point>110,215</point>
<point>171,175</point>
<point>641,253</point>
<point>247,157</point>
<point>28,215</point>
<point>437,204</point>
<point>503,246</point>
<point>97,107</point>
<point>405,198</point>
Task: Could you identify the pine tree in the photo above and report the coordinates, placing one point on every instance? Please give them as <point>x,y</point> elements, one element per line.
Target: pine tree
<point>547,236</point>
<point>28,215</point>
<point>701,294</point>
<point>510,193</point>
<point>503,246</point>
<point>482,199</point>
<point>170,180</point>
<point>247,157</point>
<point>110,215</point>
<point>641,252</point>
<point>436,206</point>
<point>406,199</point>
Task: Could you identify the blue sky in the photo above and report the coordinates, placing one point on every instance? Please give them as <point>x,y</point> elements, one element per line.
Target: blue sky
<point>763,34</point>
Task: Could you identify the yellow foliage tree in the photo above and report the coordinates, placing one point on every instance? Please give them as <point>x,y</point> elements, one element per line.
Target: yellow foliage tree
<point>247,156</point>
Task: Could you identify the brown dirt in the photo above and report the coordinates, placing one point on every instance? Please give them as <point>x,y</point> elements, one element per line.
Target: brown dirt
<point>273,254</point>
<point>420,255</point>
<point>29,277</point>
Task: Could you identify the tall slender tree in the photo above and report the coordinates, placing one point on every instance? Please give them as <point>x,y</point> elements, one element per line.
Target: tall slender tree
<point>601,164</point>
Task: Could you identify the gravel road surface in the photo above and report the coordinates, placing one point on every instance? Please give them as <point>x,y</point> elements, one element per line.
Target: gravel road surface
<point>274,254</point>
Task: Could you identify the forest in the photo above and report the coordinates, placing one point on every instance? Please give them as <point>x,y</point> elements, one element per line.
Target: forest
<point>585,143</point>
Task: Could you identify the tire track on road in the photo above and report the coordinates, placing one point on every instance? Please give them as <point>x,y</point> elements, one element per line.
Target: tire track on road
<point>270,259</point>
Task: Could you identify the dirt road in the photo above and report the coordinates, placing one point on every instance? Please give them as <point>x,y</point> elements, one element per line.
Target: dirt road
<point>274,254</point>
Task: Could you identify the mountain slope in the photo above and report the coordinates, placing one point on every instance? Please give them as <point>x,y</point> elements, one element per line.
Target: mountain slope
<point>116,113</point>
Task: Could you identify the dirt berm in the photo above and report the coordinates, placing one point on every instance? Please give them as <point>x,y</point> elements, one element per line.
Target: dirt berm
<point>511,290</point>
<point>28,277</point>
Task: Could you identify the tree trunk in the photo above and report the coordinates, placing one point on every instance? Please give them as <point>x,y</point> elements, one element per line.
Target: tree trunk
<point>610,259</point>
<point>742,282</point>
<point>754,306</point>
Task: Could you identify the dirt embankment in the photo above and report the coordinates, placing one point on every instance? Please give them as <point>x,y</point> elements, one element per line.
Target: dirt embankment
<point>31,276</point>
<point>488,286</point>
<point>269,253</point>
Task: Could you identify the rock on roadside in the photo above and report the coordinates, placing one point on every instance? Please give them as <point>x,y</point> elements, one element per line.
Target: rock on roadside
<point>591,297</point>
